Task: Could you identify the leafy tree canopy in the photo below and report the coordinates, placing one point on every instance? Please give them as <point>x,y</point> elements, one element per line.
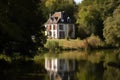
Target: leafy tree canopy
<point>18,22</point>
<point>89,16</point>
<point>92,14</point>
<point>112,28</point>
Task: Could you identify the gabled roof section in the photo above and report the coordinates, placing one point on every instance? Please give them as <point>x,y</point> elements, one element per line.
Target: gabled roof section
<point>58,17</point>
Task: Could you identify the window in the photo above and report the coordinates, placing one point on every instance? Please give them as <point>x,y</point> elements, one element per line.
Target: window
<point>54,27</point>
<point>61,27</point>
<point>49,27</point>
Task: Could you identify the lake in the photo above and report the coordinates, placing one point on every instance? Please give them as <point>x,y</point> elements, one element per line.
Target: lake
<point>95,65</point>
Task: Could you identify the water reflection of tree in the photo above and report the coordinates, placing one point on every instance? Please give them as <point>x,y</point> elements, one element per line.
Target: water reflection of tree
<point>89,71</point>
<point>112,65</point>
<point>112,73</point>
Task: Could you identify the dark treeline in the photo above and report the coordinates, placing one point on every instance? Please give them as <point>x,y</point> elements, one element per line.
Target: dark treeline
<point>21,22</point>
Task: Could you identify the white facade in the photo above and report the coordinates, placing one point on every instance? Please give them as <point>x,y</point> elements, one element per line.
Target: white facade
<point>53,31</point>
<point>57,32</point>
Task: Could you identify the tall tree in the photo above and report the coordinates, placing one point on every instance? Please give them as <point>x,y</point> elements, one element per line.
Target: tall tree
<point>19,21</point>
<point>108,7</point>
<point>112,28</point>
<point>89,15</point>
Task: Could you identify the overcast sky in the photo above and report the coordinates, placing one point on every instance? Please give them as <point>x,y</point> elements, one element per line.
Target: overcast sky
<point>78,1</point>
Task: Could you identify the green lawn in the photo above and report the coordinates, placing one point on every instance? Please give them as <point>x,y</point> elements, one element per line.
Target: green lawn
<point>72,43</point>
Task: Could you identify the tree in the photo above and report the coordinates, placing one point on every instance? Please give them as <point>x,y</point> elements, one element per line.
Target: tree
<point>18,22</point>
<point>89,16</point>
<point>108,7</point>
<point>92,13</point>
<point>111,30</point>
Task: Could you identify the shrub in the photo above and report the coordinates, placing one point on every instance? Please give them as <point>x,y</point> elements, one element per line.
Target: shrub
<point>5,58</point>
<point>94,41</point>
<point>52,45</point>
<point>67,38</point>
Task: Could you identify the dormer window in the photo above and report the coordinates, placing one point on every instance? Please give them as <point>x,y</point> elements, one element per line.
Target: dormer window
<point>68,19</point>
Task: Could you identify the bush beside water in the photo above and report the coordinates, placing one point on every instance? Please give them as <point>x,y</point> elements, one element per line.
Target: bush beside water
<point>53,46</point>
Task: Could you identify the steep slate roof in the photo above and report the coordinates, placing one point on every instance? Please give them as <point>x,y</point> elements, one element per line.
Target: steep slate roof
<point>58,17</point>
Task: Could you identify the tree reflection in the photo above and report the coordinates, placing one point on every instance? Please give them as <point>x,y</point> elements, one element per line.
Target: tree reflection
<point>106,69</point>
<point>112,73</point>
<point>89,71</point>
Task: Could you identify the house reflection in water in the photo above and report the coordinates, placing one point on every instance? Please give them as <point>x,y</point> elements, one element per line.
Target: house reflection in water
<point>60,69</point>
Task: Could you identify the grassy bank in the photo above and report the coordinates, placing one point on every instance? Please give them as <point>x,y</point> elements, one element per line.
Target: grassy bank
<point>91,43</point>
<point>65,44</point>
<point>75,44</point>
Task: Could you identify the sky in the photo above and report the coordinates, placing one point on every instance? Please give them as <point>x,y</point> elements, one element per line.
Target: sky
<point>78,1</point>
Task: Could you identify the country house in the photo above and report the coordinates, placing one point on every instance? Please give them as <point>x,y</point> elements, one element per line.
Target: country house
<point>59,26</point>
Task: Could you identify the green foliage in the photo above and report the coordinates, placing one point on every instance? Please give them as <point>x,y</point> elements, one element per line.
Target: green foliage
<point>52,46</point>
<point>81,32</point>
<point>112,28</point>
<point>95,15</point>
<point>6,58</point>
<point>108,7</point>
<point>49,3</point>
<point>18,22</point>
<point>88,71</point>
<point>67,38</point>
<point>89,16</point>
<point>112,57</point>
<point>111,74</point>
<point>94,41</point>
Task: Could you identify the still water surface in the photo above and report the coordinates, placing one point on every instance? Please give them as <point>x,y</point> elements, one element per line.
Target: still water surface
<point>97,65</point>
